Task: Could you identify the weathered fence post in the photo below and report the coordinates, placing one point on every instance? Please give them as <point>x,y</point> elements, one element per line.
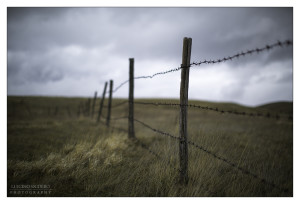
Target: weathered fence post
<point>131,133</point>
<point>184,86</point>
<point>101,102</point>
<point>94,102</point>
<point>109,102</point>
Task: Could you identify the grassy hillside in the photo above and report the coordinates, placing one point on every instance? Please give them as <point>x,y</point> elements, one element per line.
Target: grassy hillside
<point>281,107</point>
<point>48,143</point>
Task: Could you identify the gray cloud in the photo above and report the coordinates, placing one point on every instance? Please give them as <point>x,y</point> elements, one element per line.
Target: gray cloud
<point>92,45</point>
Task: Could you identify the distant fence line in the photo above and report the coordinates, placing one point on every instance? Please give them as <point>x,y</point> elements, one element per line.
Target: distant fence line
<point>183,106</point>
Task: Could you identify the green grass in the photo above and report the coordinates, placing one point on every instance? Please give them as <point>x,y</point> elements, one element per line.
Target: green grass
<point>49,144</point>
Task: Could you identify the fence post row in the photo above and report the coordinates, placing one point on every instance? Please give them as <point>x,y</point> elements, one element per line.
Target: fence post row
<point>109,102</point>
<point>131,133</point>
<point>94,102</point>
<point>184,86</point>
<point>101,102</point>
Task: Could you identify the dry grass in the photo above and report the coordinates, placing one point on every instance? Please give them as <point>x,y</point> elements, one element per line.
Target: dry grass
<point>78,157</point>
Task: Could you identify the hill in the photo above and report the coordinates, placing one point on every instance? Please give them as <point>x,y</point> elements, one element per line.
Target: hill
<point>281,107</point>
<point>51,141</point>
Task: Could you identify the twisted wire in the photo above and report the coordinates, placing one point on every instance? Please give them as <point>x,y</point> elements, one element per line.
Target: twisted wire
<point>119,118</point>
<point>116,105</point>
<point>168,163</point>
<point>155,130</point>
<point>123,83</point>
<point>244,171</point>
<point>244,53</point>
<point>266,115</point>
<point>224,59</point>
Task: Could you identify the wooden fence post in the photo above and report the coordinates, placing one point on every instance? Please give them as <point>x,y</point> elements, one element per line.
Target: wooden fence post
<point>131,133</point>
<point>184,86</point>
<point>94,102</point>
<point>109,102</point>
<point>101,102</point>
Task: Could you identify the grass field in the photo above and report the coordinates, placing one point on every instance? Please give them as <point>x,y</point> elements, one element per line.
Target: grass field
<point>49,144</point>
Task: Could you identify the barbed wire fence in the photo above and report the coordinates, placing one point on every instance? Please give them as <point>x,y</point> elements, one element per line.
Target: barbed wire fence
<point>183,106</point>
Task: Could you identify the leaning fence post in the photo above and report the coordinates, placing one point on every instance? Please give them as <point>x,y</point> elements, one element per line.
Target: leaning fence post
<point>130,101</point>
<point>101,102</point>
<point>109,102</point>
<point>94,102</point>
<point>184,86</point>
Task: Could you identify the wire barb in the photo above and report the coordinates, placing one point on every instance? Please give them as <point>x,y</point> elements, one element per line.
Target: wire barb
<point>249,52</point>
<point>242,170</point>
<point>167,162</point>
<point>267,115</point>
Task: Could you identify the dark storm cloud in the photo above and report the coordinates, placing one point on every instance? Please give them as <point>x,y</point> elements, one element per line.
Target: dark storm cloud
<point>28,28</point>
<point>19,13</point>
<point>64,45</point>
<point>216,32</point>
<point>233,30</point>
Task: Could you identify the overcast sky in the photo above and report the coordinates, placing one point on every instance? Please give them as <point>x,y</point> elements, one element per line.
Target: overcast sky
<point>73,51</point>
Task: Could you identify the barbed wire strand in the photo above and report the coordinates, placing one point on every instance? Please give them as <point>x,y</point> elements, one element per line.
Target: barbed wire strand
<point>266,115</point>
<point>114,127</point>
<point>158,131</point>
<point>236,56</point>
<point>244,171</point>
<point>168,163</point>
<point>244,53</point>
<point>116,105</point>
<point>119,118</point>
